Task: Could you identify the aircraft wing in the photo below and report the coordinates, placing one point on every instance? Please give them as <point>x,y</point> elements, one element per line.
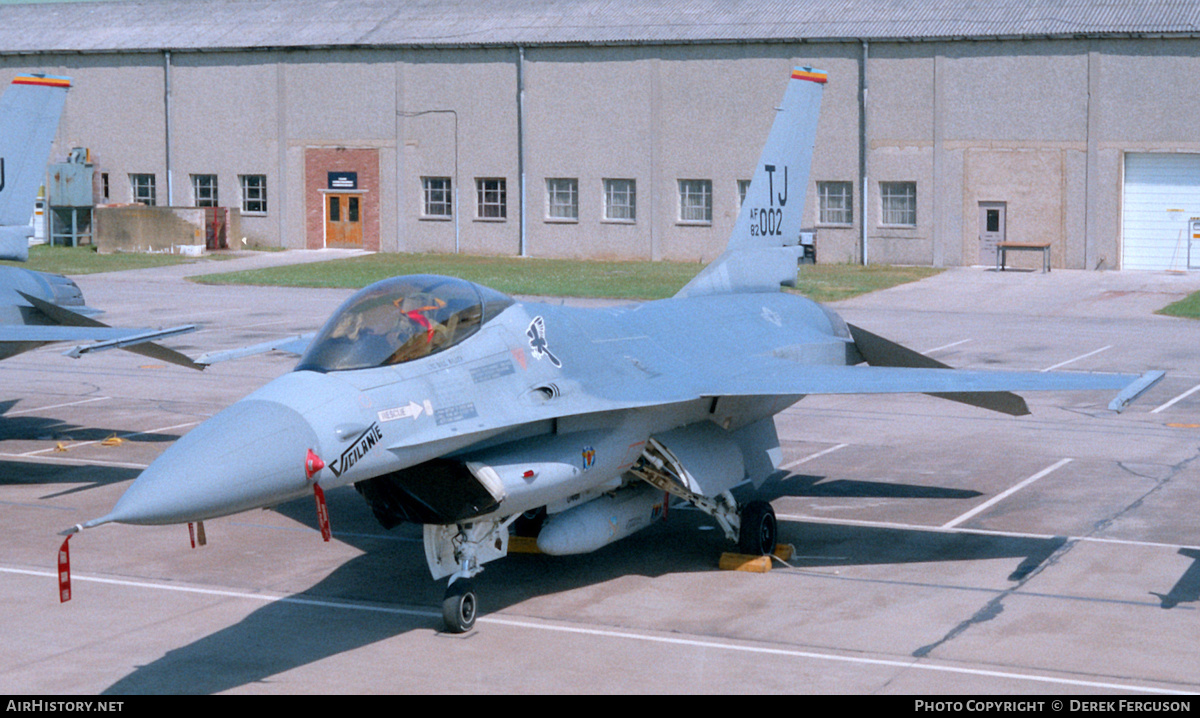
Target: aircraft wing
<point>289,345</point>
<point>769,376</point>
<point>59,333</point>
<point>73,326</point>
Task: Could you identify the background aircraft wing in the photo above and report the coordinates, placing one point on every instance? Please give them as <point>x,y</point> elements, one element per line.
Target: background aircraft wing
<point>73,326</point>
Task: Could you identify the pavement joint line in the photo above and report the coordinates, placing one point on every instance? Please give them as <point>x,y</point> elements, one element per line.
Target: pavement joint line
<point>80,462</point>
<point>1005,494</point>
<point>810,457</point>
<point>1177,399</point>
<point>59,406</point>
<point>707,644</point>
<point>981,532</point>
<point>1081,356</point>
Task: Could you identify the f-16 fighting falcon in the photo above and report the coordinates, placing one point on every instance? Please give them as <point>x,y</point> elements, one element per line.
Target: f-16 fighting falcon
<point>453,406</point>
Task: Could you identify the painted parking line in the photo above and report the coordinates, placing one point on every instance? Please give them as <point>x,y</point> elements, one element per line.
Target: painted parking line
<point>1081,356</point>
<point>1176,400</point>
<point>945,346</point>
<point>698,642</point>
<point>1005,494</point>
<point>98,441</point>
<point>56,406</point>
<point>810,457</point>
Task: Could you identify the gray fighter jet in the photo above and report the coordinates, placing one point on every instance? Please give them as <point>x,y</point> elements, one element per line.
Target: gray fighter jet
<point>37,308</point>
<point>453,406</point>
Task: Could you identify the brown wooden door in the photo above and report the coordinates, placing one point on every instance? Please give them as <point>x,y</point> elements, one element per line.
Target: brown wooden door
<point>343,220</point>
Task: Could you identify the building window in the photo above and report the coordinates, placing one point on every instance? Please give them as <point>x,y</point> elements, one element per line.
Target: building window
<point>562,198</point>
<point>836,202</point>
<point>437,197</point>
<point>899,203</point>
<point>204,190</point>
<point>143,189</point>
<point>743,187</point>
<point>254,193</point>
<point>620,199</point>
<point>695,201</point>
<point>491,198</point>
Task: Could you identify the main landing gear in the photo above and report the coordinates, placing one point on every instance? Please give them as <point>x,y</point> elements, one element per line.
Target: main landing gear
<point>752,526</point>
<point>758,530</point>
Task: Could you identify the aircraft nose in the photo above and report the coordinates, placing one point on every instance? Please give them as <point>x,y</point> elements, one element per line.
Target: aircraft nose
<point>248,456</point>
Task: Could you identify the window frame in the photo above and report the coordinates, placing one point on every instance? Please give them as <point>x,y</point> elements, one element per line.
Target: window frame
<point>143,188</point>
<point>562,199</point>
<point>695,188</point>
<point>253,190</point>
<point>897,216</point>
<point>428,202</point>
<point>743,188</point>
<point>500,201</point>
<point>620,197</point>
<point>826,213</point>
<point>199,190</point>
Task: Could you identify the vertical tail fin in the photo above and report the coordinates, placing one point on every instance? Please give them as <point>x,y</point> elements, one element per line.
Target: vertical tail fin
<point>29,114</point>
<point>763,250</point>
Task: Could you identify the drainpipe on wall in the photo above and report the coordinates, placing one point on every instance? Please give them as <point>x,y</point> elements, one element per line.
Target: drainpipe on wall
<point>862,150</point>
<point>167,138</point>
<point>521,142</point>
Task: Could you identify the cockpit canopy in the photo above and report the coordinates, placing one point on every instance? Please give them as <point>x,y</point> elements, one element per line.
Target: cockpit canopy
<point>401,319</point>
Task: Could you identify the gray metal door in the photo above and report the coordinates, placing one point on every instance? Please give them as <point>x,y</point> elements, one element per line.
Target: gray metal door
<point>991,230</point>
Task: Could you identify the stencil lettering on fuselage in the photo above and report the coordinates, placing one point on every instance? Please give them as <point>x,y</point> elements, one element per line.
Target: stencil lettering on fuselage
<point>364,443</point>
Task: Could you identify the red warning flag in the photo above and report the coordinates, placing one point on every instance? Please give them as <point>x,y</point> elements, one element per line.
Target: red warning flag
<point>322,512</point>
<point>64,571</point>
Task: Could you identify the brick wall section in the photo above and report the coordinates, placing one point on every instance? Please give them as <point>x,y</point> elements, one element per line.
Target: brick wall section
<point>318,162</point>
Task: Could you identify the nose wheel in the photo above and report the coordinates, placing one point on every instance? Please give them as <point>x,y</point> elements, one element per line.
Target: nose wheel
<point>459,606</point>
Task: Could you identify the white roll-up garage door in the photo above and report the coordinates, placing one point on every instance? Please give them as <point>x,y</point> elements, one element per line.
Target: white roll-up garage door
<point>1162,192</point>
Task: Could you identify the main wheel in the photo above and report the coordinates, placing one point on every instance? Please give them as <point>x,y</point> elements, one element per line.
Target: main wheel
<point>459,607</point>
<point>758,531</point>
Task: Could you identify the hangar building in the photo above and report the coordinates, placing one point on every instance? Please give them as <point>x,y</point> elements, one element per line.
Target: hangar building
<point>623,129</point>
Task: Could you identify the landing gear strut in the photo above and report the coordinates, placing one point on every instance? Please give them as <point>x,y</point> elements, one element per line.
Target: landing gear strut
<point>752,526</point>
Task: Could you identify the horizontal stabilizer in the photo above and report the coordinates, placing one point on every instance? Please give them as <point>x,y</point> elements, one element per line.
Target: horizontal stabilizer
<point>877,351</point>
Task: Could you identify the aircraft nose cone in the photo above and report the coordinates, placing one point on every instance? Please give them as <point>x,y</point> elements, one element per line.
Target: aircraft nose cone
<point>248,456</point>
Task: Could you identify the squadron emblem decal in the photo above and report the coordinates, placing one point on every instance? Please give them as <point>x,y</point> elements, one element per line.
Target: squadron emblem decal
<point>537,341</point>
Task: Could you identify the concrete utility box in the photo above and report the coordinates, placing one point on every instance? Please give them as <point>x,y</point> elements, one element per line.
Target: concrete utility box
<point>136,228</point>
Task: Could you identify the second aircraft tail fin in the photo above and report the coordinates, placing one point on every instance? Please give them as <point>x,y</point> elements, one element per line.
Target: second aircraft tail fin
<point>29,114</point>
<point>763,251</point>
